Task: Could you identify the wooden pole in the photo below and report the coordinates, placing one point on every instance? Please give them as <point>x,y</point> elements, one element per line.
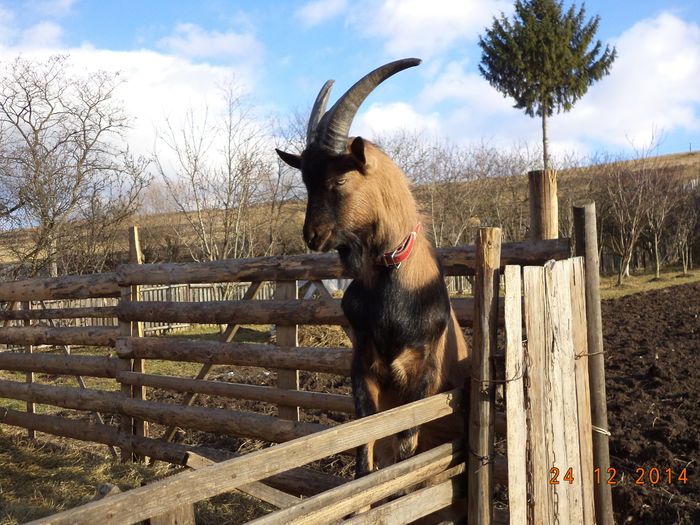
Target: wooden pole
<point>544,208</point>
<point>28,349</point>
<point>137,365</point>
<point>455,261</point>
<point>287,336</point>
<point>586,236</point>
<point>481,387</point>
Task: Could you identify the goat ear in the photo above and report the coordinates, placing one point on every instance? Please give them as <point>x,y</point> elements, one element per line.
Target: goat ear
<point>357,150</point>
<point>293,160</point>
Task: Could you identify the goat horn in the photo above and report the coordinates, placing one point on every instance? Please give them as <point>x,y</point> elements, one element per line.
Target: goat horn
<point>333,129</point>
<point>318,110</point>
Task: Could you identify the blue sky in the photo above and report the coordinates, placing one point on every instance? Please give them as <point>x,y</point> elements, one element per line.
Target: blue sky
<point>174,55</point>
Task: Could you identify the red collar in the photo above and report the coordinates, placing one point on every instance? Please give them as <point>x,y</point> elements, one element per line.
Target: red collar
<point>394,258</point>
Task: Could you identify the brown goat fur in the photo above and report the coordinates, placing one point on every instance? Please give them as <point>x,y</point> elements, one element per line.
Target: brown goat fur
<point>407,344</point>
<point>361,204</point>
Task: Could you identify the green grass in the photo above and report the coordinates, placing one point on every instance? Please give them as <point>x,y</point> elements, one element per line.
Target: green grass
<point>644,283</point>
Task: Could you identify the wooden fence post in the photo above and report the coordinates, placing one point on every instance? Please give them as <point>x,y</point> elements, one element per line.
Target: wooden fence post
<point>586,237</point>
<point>131,329</point>
<point>31,406</point>
<point>138,365</point>
<point>544,207</point>
<point>481,387</point>
<point>287,336</point>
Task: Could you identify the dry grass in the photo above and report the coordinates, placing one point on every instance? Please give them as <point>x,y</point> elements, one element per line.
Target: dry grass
<point>644,283</point>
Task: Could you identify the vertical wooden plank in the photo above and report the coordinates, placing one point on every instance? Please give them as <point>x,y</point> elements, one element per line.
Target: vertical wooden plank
<point>586,235</point>
<point>137,365</point>
<point>31,406</point>
<point>287,336</point>
<point>535,318</point>
<point>515,398</point>
<point>578,319</point>
<point>563,423</point>
<point>544,207</point>
<point>482,387</point>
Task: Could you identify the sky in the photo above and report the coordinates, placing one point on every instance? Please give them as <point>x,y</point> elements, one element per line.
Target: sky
<point>175,55</point>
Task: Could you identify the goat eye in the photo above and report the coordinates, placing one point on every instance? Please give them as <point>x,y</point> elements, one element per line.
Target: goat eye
<point>341,181</point>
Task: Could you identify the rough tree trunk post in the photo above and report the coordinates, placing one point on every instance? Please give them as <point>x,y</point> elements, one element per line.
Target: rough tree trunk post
<point>31,406</point>
<point>482,389</point>
<point>544,207</point>
<point>287,336</point>
<point>587,247</point>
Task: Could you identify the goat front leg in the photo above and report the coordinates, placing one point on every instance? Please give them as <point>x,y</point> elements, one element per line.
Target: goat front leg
<point>426,384</point>
<point>365,392</point>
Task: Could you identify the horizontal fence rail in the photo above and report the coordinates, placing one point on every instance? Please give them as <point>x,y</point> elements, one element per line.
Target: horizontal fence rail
<point>331,360</point>
<point>455,260</point>
<point>154,499</point>
<point>245,424</point>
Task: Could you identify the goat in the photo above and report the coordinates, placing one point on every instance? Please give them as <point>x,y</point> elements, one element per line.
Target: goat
<point>407,344</point>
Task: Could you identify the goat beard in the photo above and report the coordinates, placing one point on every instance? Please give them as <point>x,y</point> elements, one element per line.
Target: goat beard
<point>351,251</point>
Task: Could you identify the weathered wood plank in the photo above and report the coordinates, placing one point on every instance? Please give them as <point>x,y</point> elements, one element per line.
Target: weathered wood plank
<point>195,486</point>
<point>482,397</point>
<point>515,398</point>
<point>578,318</point>
<point>318,400</point>
<point>258,490</point>
<point>45,335</point>
<point>80,365</point>
<point>245,424</point>
<point>68,287</point>
<point>535,319</point>
<point>412,506</point>
<point>287,336</point>
<point>303,481</point>
<point>564,423</point>
<point>310,267</point>
<point>354,495</point>
<point>279,312</point>
<point>330,360</point>
<point>86,312</point>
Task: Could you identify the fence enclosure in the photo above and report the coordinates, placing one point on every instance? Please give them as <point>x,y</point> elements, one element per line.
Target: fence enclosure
<point>547,422</point>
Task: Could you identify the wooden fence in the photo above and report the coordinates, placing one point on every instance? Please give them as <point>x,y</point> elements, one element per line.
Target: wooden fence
<point>544,411</point>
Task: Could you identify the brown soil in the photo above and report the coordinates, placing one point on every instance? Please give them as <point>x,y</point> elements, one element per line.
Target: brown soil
<point>652,344</point>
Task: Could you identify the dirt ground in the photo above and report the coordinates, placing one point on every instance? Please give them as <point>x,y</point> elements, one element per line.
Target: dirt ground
<point>652,343</point>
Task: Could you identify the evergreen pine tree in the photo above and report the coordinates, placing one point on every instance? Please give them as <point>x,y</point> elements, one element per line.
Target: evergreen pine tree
<point>542,58</point>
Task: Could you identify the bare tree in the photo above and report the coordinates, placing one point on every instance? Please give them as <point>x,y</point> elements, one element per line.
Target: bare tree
<point>663,197</point>
<point>686,223</point>
<point>625,190</point>
<point>62,153</point>
<point>213,181</point>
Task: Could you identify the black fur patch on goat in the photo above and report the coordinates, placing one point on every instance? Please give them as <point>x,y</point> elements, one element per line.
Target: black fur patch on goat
<point>395,318</point>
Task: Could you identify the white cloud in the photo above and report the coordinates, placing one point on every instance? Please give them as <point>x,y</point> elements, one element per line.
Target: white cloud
<point>192,41</point>
<point>381,119</point>
<point>319,11</point>
<point>652,88</point>
<point>44,35</point>
<point>426,28</point>
<point>54,8</point>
